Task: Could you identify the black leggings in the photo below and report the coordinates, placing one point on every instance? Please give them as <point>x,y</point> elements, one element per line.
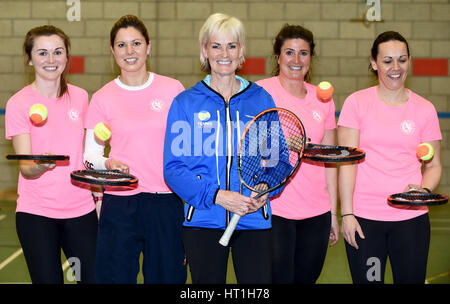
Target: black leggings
<point>405,242</point>
<point>42,239</point>
<point>208,259</point>
<point>299,248</point>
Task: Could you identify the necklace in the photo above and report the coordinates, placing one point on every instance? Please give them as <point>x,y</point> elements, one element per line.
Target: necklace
<point>234,89</point>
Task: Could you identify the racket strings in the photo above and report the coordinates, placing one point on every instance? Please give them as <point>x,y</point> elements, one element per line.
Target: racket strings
<point>271,148</point>
<point>104,177</point>
<point>328,152</point>
<point>417,196</point>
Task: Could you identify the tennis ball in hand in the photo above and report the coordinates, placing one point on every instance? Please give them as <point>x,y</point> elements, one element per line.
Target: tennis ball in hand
<point>38,113</point>
<point>324,90</point>
<point>425,151</point>
<point>102,131</point>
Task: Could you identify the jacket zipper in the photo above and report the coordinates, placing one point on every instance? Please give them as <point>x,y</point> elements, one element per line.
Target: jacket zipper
<point>229,137</point>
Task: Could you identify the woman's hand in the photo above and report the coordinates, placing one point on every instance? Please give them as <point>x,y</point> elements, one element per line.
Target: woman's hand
<point>235,202</point>
<point>260,201</point>
<point>115,164</point>
<point>46,164</point>
<point>350,226</point>
<point>334,232</point>
<point>414,187</point>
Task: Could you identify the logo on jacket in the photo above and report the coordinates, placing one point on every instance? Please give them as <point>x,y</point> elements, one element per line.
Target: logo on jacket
<point>203,115</point>
<point>157,105</point>
<point>203,118</point>
<point>408,127</point>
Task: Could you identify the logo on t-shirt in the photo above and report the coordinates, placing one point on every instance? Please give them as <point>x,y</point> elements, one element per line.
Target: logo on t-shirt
<point>316,115</point>
<point>157,105</point>
<point>74,114</point>
<point>408,127</point>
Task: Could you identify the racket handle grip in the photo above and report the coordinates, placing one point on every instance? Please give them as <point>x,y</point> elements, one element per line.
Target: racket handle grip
<point>229,231</point>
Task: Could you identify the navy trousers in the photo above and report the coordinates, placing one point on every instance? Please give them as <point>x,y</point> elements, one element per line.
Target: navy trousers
<point>145,223</point>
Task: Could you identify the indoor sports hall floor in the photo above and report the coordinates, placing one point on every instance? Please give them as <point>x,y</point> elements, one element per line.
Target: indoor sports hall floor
<point>13,268</point>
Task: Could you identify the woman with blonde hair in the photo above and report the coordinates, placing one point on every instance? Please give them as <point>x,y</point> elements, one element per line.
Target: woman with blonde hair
<point>202,171</point>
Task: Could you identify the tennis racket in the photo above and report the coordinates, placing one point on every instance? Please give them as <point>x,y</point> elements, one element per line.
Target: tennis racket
<point>417,198</point>
<point>111,178</point>
<point>277,133</point>
<point>40,157</point>
<point>332,154</point>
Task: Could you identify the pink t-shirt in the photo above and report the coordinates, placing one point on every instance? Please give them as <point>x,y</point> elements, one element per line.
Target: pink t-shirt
<point>52,194</point>
<point>389,136</point>
<point>305,195</point>
<point>137,117</point>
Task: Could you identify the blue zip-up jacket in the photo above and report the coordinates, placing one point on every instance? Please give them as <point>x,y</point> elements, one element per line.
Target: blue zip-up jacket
<point>200,128</point>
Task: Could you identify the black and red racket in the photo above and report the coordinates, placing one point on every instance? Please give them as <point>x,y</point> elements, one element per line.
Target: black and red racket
<point>41,157</point>
<point>269,153</point>
<point>111,178</point>
<point>417,198</point>
<point>332,154</point>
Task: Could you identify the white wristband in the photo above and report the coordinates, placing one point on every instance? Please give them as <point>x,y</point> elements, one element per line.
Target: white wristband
<point>93,153</point>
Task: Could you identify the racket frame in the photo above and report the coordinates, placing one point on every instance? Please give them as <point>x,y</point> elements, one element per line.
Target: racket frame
<point>397,199</point>
<point>41,157</point>
<point>224,240</point>
<point>358,154</point>
<point>79,176</point>
<point>300,152</point>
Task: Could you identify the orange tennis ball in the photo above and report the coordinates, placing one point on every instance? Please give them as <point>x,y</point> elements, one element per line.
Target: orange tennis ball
<point>324,90</point>
<point>425,151</point>
<point>102,131</point>
<point>38,113</point>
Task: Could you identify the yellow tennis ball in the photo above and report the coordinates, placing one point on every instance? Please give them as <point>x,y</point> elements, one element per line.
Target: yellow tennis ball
<point>38,113</point>
<point>102,131</point>
<point>425,151</point>
<point>324,90</point>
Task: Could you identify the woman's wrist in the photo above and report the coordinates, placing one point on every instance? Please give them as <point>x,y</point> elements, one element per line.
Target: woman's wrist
<point>107,165</point>
<point>426,189</point>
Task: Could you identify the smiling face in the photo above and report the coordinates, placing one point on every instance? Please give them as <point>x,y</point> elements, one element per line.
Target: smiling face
<point>48,57</point>
<point>391,64</point>
<point>294,59</point>
<point>224,53</point>
<point>131,50</point>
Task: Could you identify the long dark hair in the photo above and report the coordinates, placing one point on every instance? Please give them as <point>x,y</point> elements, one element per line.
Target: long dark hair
<point>48,30</point>
<point>385,37</point>
<point>287,32</point>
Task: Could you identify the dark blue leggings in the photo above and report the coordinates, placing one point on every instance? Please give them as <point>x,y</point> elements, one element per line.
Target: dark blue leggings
<point>42,239</point>
<point>299,248</point>
<point>406,243</point>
